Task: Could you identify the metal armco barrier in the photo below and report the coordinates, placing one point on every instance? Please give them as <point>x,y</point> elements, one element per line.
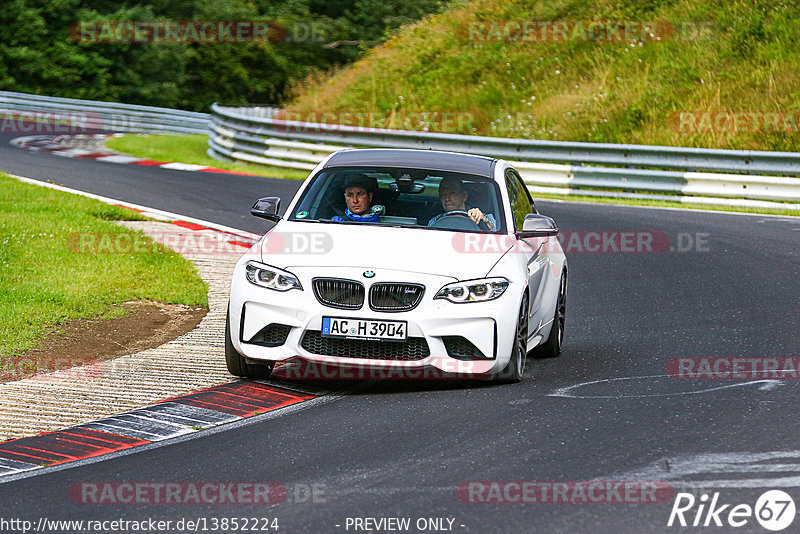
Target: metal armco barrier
<point>108,116</point>
<point>745,178</point>
<point>253,135</point>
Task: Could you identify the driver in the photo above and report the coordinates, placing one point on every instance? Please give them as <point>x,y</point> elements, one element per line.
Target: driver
<point>358,192</point>
<point>453,196</point>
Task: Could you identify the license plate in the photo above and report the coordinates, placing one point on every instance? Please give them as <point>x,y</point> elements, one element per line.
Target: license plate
<point>350,328</point>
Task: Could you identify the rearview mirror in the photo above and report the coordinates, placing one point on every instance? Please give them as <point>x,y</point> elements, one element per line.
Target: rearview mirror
<point>267,208</point>
<point>536,225</point>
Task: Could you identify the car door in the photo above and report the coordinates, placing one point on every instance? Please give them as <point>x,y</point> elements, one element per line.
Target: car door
<point>534,251</point>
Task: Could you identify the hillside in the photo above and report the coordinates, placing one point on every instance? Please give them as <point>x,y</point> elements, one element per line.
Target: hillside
<point>708,74</point>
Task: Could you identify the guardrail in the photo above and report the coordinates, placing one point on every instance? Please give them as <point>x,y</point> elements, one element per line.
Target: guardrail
<point>92,115</point>
<point>253,135</point>
<point>747,178</point>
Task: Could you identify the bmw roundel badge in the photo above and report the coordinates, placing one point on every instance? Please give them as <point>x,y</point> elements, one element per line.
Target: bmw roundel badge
<point>369,274</point>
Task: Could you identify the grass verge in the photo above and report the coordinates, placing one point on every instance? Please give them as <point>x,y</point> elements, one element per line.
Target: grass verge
<point>191,149</point>
<point>44,282</point>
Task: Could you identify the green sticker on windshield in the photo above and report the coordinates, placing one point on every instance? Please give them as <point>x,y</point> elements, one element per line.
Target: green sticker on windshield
<point>302,214</point>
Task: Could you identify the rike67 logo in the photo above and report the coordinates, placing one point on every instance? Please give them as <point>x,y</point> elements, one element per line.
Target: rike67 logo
<point>774,510</point>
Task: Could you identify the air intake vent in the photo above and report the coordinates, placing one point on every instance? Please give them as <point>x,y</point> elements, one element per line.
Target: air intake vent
<point>273,335</point>
<point>338,293</point>
<point>461,348</point>
<point>395,297</point>
<point>414,348</point>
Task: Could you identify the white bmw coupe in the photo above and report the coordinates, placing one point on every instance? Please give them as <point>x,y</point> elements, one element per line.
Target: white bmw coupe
<point>409,260</point>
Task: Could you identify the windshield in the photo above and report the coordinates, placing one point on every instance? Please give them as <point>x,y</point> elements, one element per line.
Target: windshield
<point>418,198</point>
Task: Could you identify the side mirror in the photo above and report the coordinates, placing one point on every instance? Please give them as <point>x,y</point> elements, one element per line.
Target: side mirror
<point>267,208</point>
<point>536,225</point>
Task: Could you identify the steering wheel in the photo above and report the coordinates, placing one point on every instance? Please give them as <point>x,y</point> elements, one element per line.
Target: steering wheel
<point>472,225</point>
<point>336,211</point>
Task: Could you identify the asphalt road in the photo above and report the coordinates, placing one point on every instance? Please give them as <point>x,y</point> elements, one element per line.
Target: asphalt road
<point>221,198</point>
<point>604,410</point>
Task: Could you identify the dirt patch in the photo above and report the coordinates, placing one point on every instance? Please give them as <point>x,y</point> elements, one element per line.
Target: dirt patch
<point>80,342</point>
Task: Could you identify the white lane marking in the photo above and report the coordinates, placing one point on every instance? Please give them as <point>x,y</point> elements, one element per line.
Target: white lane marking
<point>679,470</point>
<point>567,391</point>
<point>167,215</point>
<point>105,425</point>
<point>169,428</point>
<point>190,415</point>
<point>118,159</point>
<point>71,152</point>
<point>183,166</point>
<point>13,466</point>
<point>20,142</point>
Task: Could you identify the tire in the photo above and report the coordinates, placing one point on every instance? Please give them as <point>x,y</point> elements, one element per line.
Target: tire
<point>551,348</point>
<point>516,364</point>
<point>236,363</point>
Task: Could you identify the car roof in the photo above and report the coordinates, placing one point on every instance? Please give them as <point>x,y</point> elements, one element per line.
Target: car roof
<point>413,159</point>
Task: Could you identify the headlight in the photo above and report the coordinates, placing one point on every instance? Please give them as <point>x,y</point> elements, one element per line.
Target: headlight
<point>473,290</point>
<point>271,277</point>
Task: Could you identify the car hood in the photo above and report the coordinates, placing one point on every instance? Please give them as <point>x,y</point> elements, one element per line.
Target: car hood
<point>365,246</point>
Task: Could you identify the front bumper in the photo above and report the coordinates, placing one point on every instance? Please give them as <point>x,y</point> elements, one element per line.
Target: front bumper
<point>432,326</point>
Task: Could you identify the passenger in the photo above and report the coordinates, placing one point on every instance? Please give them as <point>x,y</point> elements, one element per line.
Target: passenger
<point>358,192</point>
<point>453,196</point>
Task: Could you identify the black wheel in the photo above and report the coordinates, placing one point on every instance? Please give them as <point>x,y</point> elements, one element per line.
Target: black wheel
<point>552,347</point>
<point>516,365</point>
<point>236,363</point>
